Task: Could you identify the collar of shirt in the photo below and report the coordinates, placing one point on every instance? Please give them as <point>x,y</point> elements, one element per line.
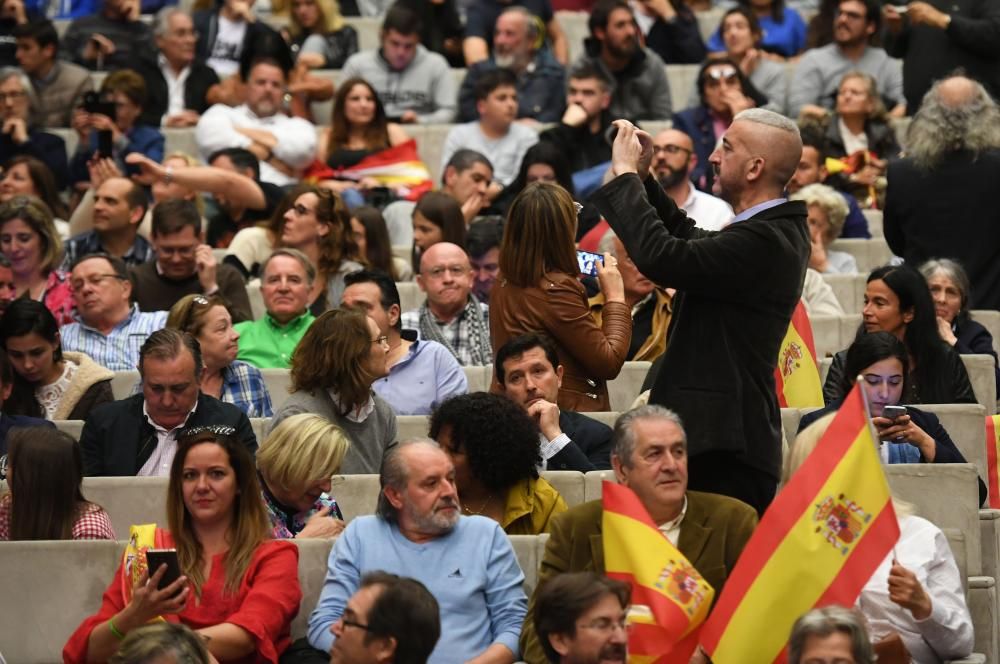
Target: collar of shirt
<point>357,415</point>
<point>296,322</point>
<point>168,71</point>
<point>671,529</point>
<point>757,209</point>
<point>160,430</point>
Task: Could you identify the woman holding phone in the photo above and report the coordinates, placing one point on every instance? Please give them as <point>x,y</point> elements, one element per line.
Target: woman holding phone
<point>238,589</point>
<point>540,291</point>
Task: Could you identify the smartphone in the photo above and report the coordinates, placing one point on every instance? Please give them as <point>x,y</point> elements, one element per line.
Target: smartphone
<point>893,412</point>
<point>157,557</point>
<point>587,261</point>
<point>104,144</point>
<point>92,103</point>
<point>902,9</point>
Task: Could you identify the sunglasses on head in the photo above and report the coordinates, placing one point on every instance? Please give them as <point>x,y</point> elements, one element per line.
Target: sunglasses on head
<point>727,74</point>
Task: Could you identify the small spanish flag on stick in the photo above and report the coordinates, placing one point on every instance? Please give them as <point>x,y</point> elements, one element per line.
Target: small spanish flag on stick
<point>669,598</point>
<point>796,377</point>
<point>818,544</point>
<point>992,458</point>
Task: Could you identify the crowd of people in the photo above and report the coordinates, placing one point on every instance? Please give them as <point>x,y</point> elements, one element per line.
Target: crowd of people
<point>283,245</point>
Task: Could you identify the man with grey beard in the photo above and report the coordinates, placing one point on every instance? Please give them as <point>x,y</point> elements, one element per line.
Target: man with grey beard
<point>674,160</point>
<point>941,199</point>
<point>466,562</point>
<point>540,78</point>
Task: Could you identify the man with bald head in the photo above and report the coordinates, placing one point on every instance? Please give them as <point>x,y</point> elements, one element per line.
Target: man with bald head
<point>674,160</point>
<point>451,316</point>
<point>941,202</point>
<point>738,288</point>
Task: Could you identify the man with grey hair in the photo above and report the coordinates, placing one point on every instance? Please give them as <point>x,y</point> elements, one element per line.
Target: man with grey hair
<point>540,78</point>
<point>940,202</point>
<point>177,82</point>
<point>138,435</point>
<point>285,284</point>
<point>18,137</point>
<point>467,562</point>
<point>834,632</point>
<point>649,456</point>
<point>740,286</point>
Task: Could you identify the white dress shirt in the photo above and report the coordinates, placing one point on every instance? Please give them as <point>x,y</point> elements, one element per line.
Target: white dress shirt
<point>158,463</point>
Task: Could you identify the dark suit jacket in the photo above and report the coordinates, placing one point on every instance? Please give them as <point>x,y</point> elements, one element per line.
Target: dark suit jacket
<point>117,440</point>
<point>201,78</point>
<point>740,287</point>
<point>949,212</point>
<point>713,534</point>
<point>696,123</point>
<point>590,448</point>
<point>8,422</point>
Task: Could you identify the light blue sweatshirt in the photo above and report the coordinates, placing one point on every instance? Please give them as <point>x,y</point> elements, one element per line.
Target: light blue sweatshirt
<point>472,572</point>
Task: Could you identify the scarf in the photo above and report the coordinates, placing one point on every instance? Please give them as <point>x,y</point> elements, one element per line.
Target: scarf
<point>478,340</point>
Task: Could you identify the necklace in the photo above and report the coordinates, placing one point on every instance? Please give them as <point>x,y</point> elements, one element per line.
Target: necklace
<point>486,503</point>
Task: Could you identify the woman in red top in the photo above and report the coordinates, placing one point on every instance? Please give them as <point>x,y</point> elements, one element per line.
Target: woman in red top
<point>238,589</point>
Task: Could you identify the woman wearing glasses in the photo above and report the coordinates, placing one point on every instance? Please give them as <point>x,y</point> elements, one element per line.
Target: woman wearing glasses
<point>207,319</point>
<point>333,369</point>
<point>29,240</point>
<point>238,589</point>
<point>539,291</point>
<point>319,225</point>
<point>48,383</point>
<point>723,91</point>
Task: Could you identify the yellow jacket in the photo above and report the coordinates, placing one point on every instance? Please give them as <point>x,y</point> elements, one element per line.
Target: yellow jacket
<point>656,343</point>
<point>531,505</point>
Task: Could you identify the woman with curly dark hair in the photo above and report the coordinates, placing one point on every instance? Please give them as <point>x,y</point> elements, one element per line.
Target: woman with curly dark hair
<point>496,467</point>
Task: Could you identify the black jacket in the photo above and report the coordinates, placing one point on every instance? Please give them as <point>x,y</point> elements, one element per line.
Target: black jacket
<point>740,287</point>
<point>50,149</point>
<point>949,212</point>
<point>590,446</point>
<point>950,386</point>
<point>201,78</point>
<point>581,148</point>
<point>945,450</point>
<point>117,439</point>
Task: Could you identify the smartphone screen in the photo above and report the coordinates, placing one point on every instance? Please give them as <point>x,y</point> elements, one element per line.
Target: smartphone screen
<point>157,557</point>
<point>587,261</point>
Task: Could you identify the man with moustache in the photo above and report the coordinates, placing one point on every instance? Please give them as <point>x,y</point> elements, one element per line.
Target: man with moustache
<point>674,160</point>
<point>418,531</point>
<point>649,456</point>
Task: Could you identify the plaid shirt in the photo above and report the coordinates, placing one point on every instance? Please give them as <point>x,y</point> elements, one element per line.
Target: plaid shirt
<point>90,243</point>
<point>93,524</point>
<point>119,350</point>
<point>243,386</point>
<point>456,332</point>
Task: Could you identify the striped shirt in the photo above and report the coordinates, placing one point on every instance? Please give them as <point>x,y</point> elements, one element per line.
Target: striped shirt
<point>119,350</point>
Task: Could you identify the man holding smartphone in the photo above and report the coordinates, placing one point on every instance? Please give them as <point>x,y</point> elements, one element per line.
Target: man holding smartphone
<point>739,287</point>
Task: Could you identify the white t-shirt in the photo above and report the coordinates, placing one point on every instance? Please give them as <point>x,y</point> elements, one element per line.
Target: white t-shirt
<point>225,57</point>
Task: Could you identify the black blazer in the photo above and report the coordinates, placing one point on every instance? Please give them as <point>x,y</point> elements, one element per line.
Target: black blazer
<point>740,287</point>
<point>117,440</point>
<point>201,78</point>
<point>8,422</point>
<point>590,446</point>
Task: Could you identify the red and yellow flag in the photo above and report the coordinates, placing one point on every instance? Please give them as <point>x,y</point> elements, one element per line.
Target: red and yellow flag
<point>796,378</point>
<point>669,598</point>
<point>818,544</point>
<point>398,168</point>
<point>992,457</point>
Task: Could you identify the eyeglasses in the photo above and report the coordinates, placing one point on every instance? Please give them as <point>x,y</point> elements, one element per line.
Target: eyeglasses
<point>350,623</point>
<point>14,95</point>
<point>453,270</point>
<point>670,149</point>
<point>607,625</point>
<point>94,280</point>
<point>183,252</point>
<point>183,32</point>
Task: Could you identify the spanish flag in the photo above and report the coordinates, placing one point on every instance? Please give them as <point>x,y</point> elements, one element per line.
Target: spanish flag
<point>669,598</point>
<point>399,168</point>
<point>818,544</point>
<point>992,456</point>
<point>796,377</point>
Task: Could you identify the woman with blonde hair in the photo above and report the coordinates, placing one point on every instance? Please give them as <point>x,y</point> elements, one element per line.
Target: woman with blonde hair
<point>296,463</point>
<point>318,35</point>
<point>827,214</point>
<point>238,589</point>
<point>916,592</point>
<point>333,368</point>
<point>29,240</point>
<point>207,319</point>
<point>539,291</point>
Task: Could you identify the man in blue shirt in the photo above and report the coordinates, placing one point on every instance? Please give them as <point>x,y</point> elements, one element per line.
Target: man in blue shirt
<point>422,373</point>
<point>466,562</point>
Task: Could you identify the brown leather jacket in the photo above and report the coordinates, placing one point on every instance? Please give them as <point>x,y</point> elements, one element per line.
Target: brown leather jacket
<point>591,354</point>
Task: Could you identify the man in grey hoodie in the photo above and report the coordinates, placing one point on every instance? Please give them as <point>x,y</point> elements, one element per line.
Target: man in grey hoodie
<point>415,85</point>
